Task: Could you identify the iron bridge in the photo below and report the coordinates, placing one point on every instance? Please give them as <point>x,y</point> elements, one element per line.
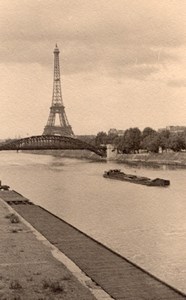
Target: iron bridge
<point>51,142</point>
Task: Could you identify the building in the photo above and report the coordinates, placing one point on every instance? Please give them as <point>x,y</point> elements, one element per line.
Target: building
<point>173,129</point>
<point>115,131</point>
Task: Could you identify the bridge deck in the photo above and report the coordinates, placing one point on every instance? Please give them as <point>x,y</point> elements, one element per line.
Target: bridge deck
<point>116,275</point>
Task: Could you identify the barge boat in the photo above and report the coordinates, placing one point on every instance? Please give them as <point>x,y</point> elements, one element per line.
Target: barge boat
<point>118,175</point>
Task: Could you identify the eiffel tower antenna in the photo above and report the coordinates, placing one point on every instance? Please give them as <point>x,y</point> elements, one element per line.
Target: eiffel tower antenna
<point>57,107</point>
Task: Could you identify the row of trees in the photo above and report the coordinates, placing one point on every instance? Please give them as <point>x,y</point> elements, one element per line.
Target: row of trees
<point>149,140</point>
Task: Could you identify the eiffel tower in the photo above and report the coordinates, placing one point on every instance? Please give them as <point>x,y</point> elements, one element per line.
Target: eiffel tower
<point>57,107</point>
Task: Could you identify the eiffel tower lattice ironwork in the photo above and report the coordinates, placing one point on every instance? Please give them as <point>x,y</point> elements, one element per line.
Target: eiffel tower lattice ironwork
<point>57,107</point>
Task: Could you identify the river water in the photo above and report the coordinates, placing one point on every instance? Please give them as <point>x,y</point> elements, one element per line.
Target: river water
<point>144,224</point>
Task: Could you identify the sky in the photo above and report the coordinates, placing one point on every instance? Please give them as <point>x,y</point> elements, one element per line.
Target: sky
<point>123,64</point>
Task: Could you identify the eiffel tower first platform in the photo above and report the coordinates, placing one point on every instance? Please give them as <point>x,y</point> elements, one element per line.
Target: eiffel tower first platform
<point>57,107</point>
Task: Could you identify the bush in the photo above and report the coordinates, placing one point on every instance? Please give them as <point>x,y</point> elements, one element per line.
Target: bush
<point>15,285</point>
<point>54,286</point>
<point>13,218</point>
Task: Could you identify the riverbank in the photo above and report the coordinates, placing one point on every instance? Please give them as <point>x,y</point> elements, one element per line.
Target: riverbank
<point>28,269</point>
<point>147,159</point>
<point>152,159</point>
<point>78,154</point>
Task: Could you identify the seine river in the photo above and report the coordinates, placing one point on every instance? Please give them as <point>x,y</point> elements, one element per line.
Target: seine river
<point>145,224</point>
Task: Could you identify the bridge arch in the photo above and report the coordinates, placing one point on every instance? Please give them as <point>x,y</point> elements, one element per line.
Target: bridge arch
<point>51,142</point>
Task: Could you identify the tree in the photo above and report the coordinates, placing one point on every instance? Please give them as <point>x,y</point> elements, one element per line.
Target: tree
<point>119,144</point>
<point>176,143</point>
<point>183,138</point>
<point>89,139</point>
<point>112,138</point>
<point>164,136</point>
<point>147,131</point>
<point>101,138</point>
<point>151,143</point>
<point>131,140</point>
<point>150,140</point>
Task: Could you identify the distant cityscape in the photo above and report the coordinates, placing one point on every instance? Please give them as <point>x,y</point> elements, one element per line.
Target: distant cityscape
<point>172,129</point>
<point>133,140</point>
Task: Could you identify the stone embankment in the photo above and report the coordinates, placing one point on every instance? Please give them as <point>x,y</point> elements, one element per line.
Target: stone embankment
<point>30,267</point>
<point>151,159</point>
<point>78,154</point>
<point>154,159</point>
<point>30,272</point>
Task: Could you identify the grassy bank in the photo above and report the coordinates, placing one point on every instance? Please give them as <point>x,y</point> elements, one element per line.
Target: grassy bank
<point>177,159</point>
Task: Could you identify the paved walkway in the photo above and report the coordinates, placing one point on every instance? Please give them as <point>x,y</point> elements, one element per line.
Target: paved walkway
<point>28,270</point>
<point>117,276</point>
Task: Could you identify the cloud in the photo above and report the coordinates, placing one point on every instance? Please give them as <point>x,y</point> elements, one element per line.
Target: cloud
<point>104,21</point>
<point>134,62</point>
<point>177,83</point>
<point>137,72</point>
<point>124,39</point>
